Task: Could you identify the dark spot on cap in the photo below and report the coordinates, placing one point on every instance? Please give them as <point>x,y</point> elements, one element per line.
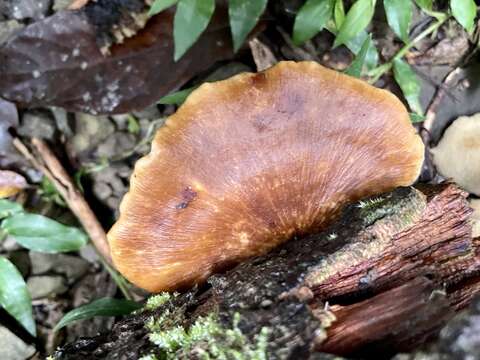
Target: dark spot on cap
<point>188,195</point>
<point>258,80</point>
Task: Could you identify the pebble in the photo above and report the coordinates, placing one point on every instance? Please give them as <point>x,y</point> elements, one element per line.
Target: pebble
<point>14,348</point>
<point>45,286</point>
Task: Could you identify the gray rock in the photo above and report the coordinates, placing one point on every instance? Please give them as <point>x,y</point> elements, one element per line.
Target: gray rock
<point>88,253</point>
<point>61,119</point>
<point>10,244</point>
<point>116,144</point>
<point>12,347</point>
<point>29,9</point>
<point>7,28</point>
<point>90,131</point>
<point>102,190</point>
<point>44,286</point>
<point>37,124</point>
<point>72,267</point>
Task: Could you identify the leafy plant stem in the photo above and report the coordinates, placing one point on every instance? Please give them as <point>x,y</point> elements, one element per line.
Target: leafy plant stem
<point>119,280</point>
<point>377,73</point>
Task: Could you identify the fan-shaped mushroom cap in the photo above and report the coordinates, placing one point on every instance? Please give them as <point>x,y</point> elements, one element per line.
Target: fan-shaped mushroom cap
<point>248,162</point>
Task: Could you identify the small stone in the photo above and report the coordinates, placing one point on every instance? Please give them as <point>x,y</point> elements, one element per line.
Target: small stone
<point>44,286</point>
<point>10,244</point>
<point>89,253</point>
<point>90,131</point>
<point>29,9</point>
<point>37,124</point>
<point>102,190</point>
<point>14,348</point>
<point>72,267</point>
<point>266,303</point>
<point>117,143</point>
<point>7,28</point>
<point>61,120</point>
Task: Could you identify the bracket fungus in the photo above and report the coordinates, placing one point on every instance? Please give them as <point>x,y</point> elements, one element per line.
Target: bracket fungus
<point>249,162</point>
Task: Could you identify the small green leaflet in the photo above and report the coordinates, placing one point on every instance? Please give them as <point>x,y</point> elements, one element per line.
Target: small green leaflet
<point>100,307</point>
<point>14,295</point>
<point>409,83</point>
<point>311,19</point>
<point>425,4</point>
<point>191,20</point>
<point>160,5</point>
<point>356,20</point>
<point>244,14</point>
<point>176,98</point>
<point>8,208</point>
<point>399,16</point>
<point>416,118</point>
<point>464,11</point>
<point>39,233</point>
<point>355,68</point>
<point>339,13</point>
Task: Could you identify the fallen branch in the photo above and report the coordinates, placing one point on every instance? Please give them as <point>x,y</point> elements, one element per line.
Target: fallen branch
<point>48,164</point>
<point>384,278</point>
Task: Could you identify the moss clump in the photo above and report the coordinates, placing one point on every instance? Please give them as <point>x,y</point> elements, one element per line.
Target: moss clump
<point>206,338</point>
<point>156,301</point>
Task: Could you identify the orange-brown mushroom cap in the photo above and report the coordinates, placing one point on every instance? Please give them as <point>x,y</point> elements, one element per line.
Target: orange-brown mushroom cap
<point>248,162</point>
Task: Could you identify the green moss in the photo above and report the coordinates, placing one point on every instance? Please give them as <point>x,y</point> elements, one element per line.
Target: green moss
<point>206,338</point>
<point>157,300</point>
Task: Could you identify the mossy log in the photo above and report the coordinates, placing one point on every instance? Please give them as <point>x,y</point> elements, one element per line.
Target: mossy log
<point>383,279</point>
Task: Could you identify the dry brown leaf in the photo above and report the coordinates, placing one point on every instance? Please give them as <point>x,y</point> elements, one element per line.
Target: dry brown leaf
<point>58,62</point>
<point>11,183</point>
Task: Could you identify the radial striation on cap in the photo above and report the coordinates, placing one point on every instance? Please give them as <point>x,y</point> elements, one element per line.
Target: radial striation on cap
<point>248,162</point>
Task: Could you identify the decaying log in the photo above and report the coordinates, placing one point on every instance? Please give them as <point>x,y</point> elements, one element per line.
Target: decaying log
<point>384,278</point>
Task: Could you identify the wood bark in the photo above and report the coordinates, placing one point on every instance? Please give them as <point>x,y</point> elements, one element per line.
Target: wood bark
<point>383,279</point>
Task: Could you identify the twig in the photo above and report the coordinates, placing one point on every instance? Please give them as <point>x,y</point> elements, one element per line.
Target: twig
<point>262,54</point>
<point>77,4</point>
<point>435,102</point>
<point>54,171</point>
<point>377,73</point>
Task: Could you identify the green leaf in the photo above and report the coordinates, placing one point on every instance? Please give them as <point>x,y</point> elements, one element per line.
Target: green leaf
<point>176,98</point>
<point>464,12</point>
<point>339,13</point>
<point>409,83</point>
<point>425,4</point>
<point>14,295</point>
<point>357,19</point>
<point>191,20</point>
<point>416,118</point>
<point>355,46</point>
<point>244,14</point>
<point>399,16</point>
<point>39,233</point>
<point>355,68</point>
<point>8,208</point>
<point>100,307</point>
<point>133,125</point>
<point>311,19</point>
<point>160,5</point>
